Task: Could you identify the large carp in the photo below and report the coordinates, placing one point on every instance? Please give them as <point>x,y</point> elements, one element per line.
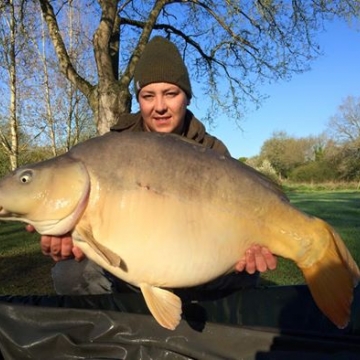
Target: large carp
<point>160,212</point>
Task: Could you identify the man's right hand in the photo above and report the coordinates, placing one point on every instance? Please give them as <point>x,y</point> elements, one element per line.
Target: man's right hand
<point>58,247</point>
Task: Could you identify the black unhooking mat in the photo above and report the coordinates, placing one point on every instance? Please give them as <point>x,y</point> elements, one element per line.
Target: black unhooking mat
<point>275,323</point>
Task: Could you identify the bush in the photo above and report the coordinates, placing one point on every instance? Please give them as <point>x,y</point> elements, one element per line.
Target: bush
<point>268,170</point>
<point>314,172</point>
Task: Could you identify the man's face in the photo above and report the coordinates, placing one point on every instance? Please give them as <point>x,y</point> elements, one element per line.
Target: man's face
<point>163,107</point>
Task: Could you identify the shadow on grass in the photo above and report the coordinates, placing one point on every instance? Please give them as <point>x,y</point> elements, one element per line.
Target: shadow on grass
<point>25,274</point>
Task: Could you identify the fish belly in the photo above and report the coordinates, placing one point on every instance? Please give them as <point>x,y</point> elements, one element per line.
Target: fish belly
<point>166,242</point>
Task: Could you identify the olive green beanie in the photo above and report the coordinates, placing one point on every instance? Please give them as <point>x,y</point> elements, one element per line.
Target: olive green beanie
<point>161,62</point>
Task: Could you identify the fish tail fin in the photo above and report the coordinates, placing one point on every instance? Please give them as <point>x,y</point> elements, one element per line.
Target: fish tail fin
<point>165,306</point>
<point>332,279</point>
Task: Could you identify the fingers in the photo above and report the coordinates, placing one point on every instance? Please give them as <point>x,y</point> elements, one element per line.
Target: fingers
<point>270,259</point>
<point>66,247</point>
<point>29,228</point>
<point>252,257</point>
<point>241,265</point>
<point>45,244</point>
<point>78,254</point>
<point>59,248</point>
<point>257,258</point>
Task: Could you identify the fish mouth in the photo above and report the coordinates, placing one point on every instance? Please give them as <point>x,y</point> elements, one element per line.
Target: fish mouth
<point>52,227</point>
<point>5,214</point>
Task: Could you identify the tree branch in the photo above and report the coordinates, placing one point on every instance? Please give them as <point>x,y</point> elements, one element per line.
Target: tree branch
<point>143,39</point>
<point>222,23</point>
<point>66,66</point>
<point>102,39</point>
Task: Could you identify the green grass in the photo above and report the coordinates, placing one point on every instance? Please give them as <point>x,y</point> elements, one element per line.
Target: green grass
<point>24,270</point>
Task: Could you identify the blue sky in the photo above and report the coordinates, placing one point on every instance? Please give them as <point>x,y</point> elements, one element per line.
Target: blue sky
<point>304,105</point>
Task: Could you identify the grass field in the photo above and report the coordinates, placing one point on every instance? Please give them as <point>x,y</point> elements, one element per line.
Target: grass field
<point>24,270</point>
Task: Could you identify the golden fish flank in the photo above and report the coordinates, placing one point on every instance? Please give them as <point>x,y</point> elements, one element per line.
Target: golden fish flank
<point>204,213</point>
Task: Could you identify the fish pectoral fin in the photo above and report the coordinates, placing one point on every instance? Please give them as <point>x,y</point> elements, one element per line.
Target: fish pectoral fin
<point>108,255</point>
<point>112,258</point>
<point>165,306</point>
<point>331,280</point>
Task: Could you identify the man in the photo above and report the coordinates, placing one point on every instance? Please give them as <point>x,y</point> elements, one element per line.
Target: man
<point>163,90</point>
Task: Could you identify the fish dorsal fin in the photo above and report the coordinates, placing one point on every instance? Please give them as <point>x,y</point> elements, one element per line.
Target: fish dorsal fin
<point>165,306</point>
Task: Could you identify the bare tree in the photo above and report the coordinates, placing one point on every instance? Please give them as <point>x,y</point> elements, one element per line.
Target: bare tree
<point>39,104</point>
<point>9,135</point>
<point>231,46</point>
<point>344,126</point>
<point>66,130</point>
<point>59,116</point>
<point>49,117</point>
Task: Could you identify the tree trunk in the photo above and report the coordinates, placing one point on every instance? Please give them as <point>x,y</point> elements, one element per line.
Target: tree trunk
<point>111,96</point>
<point>113,102</point>
<point>13,150</point>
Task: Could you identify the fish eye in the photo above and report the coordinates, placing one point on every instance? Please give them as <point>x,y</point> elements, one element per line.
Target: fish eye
<point>25,177</point>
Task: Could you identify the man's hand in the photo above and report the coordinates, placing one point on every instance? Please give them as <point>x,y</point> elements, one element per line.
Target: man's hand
<point>58,247</point>
<point>257,258</point>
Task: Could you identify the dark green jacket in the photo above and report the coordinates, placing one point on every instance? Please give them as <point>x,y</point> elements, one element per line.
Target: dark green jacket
<point>193,130</point>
